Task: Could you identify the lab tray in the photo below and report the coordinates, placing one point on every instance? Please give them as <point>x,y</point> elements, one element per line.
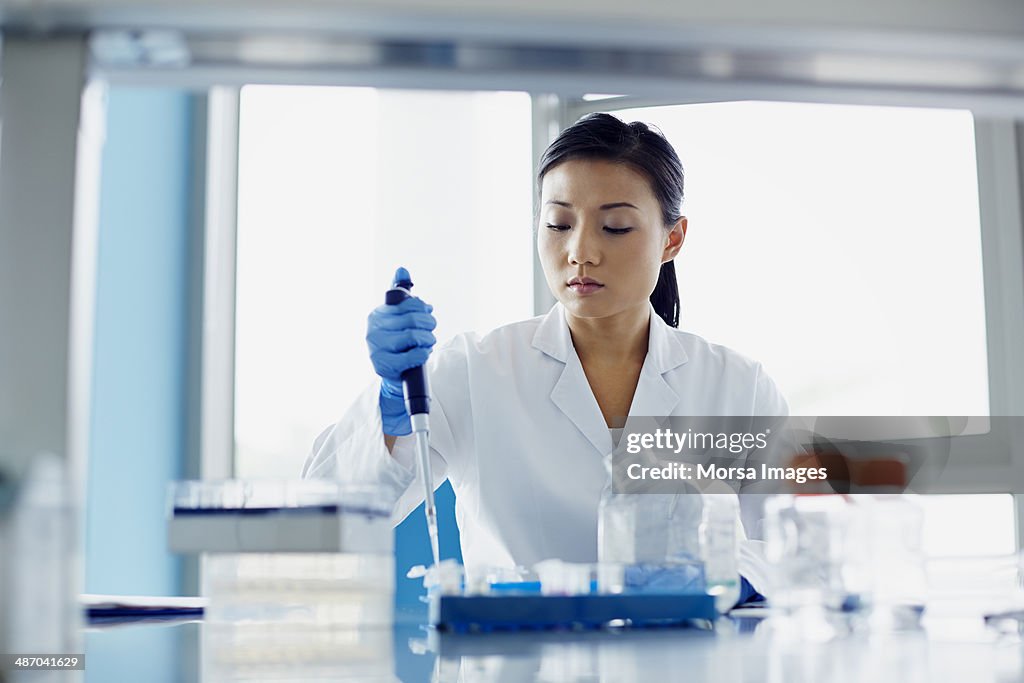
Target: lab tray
<point>533,612</point>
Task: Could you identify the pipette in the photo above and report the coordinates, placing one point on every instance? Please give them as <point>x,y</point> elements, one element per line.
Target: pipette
<point>417,403</point>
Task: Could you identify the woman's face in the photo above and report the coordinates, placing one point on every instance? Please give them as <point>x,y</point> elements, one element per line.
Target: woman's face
<point>601,238</point>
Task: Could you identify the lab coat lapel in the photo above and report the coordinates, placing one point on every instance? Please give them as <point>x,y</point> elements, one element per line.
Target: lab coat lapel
<point>654,396</point>
<point>571,393</point>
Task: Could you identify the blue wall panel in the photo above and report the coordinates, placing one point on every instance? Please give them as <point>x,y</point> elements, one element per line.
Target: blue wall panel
<point>138,430</point>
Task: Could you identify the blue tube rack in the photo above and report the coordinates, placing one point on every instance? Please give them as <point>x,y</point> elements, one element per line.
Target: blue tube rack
<point>483,613</point>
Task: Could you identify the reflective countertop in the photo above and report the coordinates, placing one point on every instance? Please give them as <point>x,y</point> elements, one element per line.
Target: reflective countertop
<point>952,645</point>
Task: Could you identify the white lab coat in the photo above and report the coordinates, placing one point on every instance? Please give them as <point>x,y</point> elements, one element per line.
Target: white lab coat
<point>515,427</point>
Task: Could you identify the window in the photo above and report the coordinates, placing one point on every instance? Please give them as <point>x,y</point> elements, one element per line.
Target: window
<point>841,247</point>
<point>337,187</point>
<point>838,245</point>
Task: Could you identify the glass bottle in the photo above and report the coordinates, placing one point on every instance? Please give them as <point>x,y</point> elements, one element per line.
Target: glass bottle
<point>720,546</point>
<point>654,538</point>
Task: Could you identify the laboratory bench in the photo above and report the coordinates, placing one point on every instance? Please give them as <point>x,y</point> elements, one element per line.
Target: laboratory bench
<point>952,645</point>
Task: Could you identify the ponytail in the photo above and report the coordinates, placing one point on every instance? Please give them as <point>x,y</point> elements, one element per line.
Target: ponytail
<point>665,297</point>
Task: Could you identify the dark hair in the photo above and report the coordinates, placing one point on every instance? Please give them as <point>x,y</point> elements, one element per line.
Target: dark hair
<point>605,137</point>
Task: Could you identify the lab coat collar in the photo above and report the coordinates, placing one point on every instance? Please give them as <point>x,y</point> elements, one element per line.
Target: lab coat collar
<point>664,350</point>
<point>572,393</point>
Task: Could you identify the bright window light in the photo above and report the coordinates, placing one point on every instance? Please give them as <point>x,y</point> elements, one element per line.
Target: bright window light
<point>338,187</point>
<point>838,245</point>
<point>841,247</point>
<point>968,525</point>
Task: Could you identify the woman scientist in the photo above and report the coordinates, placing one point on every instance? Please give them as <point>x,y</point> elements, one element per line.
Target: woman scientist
<point>522,418</point>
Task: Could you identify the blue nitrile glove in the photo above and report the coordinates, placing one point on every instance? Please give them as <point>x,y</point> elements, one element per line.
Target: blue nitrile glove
<point>400,337</point>
<point>748,594</point>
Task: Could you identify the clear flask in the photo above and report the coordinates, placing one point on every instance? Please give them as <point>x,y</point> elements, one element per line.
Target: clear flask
<point>655,538</point>
<point>720,545</point>
<point>892,555</point>
<point>806,545</point>
<point>41,604</point>
<point>896,576</point>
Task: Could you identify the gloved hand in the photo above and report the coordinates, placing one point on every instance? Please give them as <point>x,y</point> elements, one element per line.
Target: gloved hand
<point>399,337</point>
